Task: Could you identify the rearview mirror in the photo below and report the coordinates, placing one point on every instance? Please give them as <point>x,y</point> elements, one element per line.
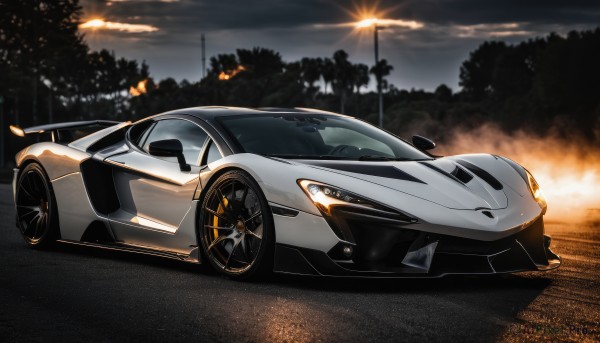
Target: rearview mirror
<point>169,148</point>
<point>422,143</point>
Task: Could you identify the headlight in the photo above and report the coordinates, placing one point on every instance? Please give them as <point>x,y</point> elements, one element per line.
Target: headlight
<point>534,188</point>
<point>341,208</point>
<point>536,191</point>
<point>325,196</point>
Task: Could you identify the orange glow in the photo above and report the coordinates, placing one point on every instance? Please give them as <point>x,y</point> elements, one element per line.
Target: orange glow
<point>567,171</point>
<point>366,22</point>
<point>17,131</point>
<point>139,89</point>
<point>231,73</point>
<point>369,22</point>
<point>101,24</point>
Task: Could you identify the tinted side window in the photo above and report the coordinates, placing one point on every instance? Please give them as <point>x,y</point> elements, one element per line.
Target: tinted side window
<point>192,137</point>
<point>138,132</point>
<point>213,153</point>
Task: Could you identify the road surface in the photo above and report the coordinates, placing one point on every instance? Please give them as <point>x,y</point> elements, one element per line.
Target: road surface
<point>84,294</point>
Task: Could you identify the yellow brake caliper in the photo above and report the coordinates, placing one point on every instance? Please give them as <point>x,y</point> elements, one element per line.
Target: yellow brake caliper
<point>220,210</point>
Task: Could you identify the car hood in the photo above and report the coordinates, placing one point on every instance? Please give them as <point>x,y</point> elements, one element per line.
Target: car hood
<point>452,182</point>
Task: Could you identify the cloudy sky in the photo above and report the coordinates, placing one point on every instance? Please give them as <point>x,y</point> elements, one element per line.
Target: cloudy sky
<point>425,40</point>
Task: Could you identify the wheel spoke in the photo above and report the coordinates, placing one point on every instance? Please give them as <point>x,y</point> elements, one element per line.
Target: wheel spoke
<point>27,192</point>
<point>29,217</point>
<point>32,225</point>
<point>245,249</point>
<point>222,200</point>
<point>30,208</point>
<point>233,190</point>
<point>243,201</point>
<point>219,227</point>
<point>253,234</point>
<point>220,216</point>
<point>217,241</point>
<point>32,185</point>
<point>252,217</point>
<point>39,226</point>
<point>235,245</point>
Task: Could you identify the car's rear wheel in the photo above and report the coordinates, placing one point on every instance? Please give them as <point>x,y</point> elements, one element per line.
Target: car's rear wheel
<point>36,207</point>
<point>236,227</point>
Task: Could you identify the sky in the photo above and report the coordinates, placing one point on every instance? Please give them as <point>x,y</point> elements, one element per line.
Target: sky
<point>424,40</point>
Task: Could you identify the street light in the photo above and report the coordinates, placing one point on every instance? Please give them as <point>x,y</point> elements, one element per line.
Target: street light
<point>373,22</point>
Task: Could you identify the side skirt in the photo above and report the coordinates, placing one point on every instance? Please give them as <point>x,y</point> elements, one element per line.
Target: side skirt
<point>192,258</point>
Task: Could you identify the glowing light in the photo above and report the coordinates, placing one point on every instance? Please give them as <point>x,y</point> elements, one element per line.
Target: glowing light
<point>93,24</point>
<point>139,89</point>
<point>101,24</point>
<point>226,75</point>
<point>369,22</point>
<point>17,131</point>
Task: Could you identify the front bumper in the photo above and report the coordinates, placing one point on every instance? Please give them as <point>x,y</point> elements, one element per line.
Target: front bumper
<point>399,252</point>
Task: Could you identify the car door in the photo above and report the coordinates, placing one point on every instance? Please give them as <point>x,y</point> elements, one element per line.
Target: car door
<point>155,194</point>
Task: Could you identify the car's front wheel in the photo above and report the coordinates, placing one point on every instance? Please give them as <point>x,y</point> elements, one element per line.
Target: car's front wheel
<point>236,227</point>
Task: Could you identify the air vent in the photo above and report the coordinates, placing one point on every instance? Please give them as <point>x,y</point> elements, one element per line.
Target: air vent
<point>462,175</point>
<point>484,175</point>
<point>488,214</point>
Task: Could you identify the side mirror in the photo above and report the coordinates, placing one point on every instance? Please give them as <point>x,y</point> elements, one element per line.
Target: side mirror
<point>422,143</point>
<point>169,148</point>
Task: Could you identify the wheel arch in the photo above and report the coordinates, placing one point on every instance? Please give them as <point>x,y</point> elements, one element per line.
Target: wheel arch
<point>209,182</point>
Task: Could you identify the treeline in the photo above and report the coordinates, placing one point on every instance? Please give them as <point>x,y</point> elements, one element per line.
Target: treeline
<point>48,73</point>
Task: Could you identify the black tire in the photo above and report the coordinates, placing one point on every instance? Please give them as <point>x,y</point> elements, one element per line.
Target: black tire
<point>236,227</point>
<point>36,207</point>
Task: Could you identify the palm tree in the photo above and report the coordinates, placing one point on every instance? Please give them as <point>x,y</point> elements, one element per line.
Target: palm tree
<point>361,76</point>
<point>381,70</point>
<point>311,73</point>
<point>344,75</point>
<point>327,72</point>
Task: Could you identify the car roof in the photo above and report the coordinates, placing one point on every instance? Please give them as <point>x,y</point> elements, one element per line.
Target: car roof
<point>211,112</point>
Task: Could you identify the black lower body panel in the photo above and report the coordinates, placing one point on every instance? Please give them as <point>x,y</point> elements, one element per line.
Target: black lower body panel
<point>426,255</point>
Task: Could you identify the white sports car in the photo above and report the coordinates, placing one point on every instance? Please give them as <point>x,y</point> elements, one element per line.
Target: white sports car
<point>296,191</point>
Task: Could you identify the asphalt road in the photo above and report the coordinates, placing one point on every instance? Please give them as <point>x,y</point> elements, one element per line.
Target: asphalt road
<point>83,294</point>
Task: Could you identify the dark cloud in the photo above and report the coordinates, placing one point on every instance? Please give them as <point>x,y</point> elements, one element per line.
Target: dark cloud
<point>423,58</point>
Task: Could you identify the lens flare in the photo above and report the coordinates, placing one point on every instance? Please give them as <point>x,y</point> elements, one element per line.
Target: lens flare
<point>101,24</point>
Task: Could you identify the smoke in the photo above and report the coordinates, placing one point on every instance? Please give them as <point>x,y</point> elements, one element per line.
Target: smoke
<point>568,170</point>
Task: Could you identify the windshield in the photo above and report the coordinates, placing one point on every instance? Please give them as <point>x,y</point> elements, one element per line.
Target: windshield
<point>316,136</point>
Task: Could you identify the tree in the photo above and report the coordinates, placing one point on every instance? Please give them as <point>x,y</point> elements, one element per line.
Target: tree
<point>328,72</point>
<point>381,70</point>
<point>361,76</point>
<point>476,73</point>
<point>38,40</point>
<point>443,93</point>
<point>311,73</point>
<point>343,82</point>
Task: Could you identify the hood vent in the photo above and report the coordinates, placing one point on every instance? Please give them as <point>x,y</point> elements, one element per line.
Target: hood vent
<point>462,175</point>
<point>366,169</point>
<point>443,172</point>
<point>485,176</point>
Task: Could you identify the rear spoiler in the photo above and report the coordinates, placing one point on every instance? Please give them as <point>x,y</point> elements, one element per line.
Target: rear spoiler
<point>62,132</point>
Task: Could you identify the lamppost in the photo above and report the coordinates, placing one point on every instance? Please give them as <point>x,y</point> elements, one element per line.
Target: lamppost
<point>374,22</point>
<point>376,29</point>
